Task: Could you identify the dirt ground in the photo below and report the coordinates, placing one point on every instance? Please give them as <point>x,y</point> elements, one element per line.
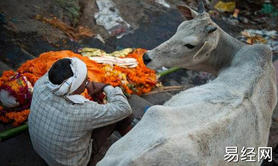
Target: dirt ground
<point>23,36</point>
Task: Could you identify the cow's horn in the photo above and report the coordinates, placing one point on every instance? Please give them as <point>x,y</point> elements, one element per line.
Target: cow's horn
<point>201,7</point>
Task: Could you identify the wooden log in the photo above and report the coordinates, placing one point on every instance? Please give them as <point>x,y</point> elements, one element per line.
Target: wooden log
<point>168,89</point>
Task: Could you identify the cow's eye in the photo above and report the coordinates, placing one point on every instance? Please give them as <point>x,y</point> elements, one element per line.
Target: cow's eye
<point>189,46</point>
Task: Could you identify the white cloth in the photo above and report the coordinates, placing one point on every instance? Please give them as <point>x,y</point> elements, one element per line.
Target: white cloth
<point>122,62</point>
<point>8,100</point>
<point>66,89</point>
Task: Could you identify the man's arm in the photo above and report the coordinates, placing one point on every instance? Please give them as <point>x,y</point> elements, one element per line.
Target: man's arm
<point>96,115</point>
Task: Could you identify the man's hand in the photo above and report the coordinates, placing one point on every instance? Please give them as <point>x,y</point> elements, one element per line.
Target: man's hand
<point>95,88</point>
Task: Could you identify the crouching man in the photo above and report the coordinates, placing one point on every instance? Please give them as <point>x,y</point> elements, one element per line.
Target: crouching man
<point>65,128</point>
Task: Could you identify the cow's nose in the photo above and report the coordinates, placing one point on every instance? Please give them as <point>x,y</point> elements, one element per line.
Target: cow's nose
<point>146,58</point>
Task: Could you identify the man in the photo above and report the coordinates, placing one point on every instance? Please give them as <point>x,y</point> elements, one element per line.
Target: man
<point>61,121</point>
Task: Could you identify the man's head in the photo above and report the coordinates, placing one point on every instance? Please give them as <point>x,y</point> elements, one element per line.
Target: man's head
<point>62,70</point>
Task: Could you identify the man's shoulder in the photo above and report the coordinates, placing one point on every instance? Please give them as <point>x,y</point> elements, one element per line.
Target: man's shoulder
<point>41,83</point>
<point>41,91</point>
<point>42,80</point>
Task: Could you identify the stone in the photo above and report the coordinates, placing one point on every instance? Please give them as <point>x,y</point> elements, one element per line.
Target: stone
<point>157,98</point>
<point>138,105</point>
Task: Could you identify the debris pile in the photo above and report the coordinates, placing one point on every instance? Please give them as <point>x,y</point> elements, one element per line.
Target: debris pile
<point>225,6</point>
<point>253,36</point>
<point>163,3</point>
<point>249,13</point>
<point>73,33</point>
<point>109,17</point>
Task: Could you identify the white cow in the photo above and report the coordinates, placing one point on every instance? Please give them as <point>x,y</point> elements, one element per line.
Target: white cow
<point>195,126</point>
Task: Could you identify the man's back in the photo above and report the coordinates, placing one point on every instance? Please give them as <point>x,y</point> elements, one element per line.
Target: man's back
<point>61,131</point>
<point>56,132</point>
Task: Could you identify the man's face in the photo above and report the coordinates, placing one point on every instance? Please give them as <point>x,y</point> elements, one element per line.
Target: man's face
<point>82,87</point>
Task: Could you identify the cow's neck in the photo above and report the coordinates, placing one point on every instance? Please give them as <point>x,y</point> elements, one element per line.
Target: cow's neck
<point>223,54</point>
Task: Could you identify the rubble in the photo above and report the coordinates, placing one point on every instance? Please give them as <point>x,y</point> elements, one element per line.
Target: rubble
<point>253,36</point>
<point>163,3</point>
<point>268,8</point>
<point>73,33</point>
<point>225,6</point>
<point>109,17</point>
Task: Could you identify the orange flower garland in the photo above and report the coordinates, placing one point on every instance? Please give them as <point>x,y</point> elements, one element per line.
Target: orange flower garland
<point>136,80</point>
<point>18,117</point>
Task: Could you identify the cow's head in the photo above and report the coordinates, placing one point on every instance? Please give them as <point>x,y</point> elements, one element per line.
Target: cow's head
<point>190,46</point>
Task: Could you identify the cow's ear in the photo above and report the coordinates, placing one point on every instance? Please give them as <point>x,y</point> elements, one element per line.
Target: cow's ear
<point>187,12</point>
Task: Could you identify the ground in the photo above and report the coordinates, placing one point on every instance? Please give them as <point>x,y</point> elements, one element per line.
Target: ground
<point>23,36</point>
